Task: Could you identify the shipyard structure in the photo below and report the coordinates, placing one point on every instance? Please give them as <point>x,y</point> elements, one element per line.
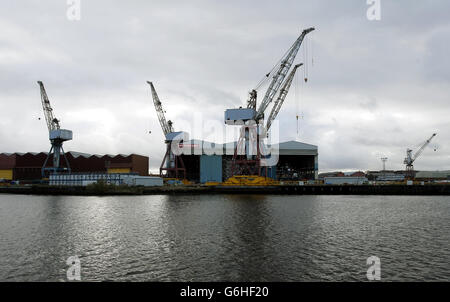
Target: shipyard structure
<point>28,166</point>
<point>210,162</point>
<point>204,162</point>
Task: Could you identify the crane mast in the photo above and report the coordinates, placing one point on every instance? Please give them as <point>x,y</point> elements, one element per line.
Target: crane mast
<point>56,135</point>
<point>280,74</point>
<point>247,153</point>
<point>172,163</point>
<point>283,93</point>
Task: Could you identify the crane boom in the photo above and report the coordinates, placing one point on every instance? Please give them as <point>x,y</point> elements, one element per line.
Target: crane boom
<point>165,125</point>
<point>283,93</point>
<point>281,73</point>
<point>52,122</point>
<point>419,152</point>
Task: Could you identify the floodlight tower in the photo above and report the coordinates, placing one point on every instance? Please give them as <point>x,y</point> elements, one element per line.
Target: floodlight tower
<point>384,160</point>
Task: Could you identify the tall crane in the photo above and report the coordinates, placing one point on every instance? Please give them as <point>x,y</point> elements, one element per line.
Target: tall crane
<point>172,163</point>
<point>280,74</point>
<point>283,93</point>
<point>56,135</point>
<point>165,125</point>
<point>253,132</point>
<point>250,117</point>
<point>410,158</point>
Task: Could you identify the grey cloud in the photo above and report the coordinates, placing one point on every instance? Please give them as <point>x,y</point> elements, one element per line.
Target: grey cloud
<point>375,87</point>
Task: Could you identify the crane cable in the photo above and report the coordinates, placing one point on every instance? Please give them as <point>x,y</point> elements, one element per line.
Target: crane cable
<point>296,100</point>
<point>305,59</point>
<point>305,75</point>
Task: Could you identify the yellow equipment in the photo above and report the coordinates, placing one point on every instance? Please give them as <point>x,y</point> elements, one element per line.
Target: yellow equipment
<point>6,174</point>
<point>250,180</point>
<point>212,183</point>
<point>119,170</point>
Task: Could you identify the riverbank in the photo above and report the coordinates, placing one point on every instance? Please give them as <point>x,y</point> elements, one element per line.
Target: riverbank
<point>435,189</point>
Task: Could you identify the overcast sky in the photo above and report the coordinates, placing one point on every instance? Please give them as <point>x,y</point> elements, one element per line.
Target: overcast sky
<point>374,88</point>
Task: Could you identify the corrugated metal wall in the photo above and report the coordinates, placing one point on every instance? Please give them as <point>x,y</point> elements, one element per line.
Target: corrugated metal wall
<point>210,168</point>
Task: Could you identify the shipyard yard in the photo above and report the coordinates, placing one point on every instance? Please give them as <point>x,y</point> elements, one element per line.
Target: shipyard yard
<point>256,159</point>
<point>224,141</point>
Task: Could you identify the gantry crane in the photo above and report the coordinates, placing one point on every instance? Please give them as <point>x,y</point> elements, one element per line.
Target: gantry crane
<point>247,153</point>
<point>410,159</point>
<point>172,162</point>
<point>57,137</point>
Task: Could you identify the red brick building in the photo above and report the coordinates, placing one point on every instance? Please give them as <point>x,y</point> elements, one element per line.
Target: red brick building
<point>27,166</point>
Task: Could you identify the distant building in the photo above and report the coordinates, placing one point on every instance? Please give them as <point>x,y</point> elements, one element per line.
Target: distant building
<point>346,180</point>
<point>27,166</point>
<point>358,174</point>
<point>386,175</point>
<point>433,175</point>
<point>331,174</point>
<point>81,179</point>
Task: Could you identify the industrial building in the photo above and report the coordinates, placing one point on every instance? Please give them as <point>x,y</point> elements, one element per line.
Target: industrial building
<point>85,179</point>
<point>433,175</point>
<point>210,162</point>
<point>28,166</point>
<point>346,180</point>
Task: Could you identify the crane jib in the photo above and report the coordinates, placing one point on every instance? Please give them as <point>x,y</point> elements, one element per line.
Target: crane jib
<point>281,73</point>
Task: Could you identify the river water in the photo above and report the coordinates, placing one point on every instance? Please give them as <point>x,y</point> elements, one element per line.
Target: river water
<point>224,237</point>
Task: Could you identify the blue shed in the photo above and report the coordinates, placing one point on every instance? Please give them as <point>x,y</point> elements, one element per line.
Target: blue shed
<point>210,168</point>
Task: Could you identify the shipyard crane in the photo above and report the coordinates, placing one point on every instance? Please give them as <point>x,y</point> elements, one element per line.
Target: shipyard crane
<point>56,135</point>
<point>253,133</point>
<point>172,163</point>
<point>165,125</point>
<point>280,74</point>
<point>410,158</point>
<point>250,117</point>
<point>283,93</point>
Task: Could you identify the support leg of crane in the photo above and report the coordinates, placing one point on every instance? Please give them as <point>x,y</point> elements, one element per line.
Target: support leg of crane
<point>45,162</point>
<point>69,170</point>
<point>162,168</point>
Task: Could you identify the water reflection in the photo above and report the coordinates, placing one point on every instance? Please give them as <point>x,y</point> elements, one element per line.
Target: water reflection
<point>224,237</point>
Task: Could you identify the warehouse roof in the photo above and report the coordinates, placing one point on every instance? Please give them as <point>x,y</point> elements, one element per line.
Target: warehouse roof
<point>285,148</point>
<point>72,153</point>
<point>297,148</point>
